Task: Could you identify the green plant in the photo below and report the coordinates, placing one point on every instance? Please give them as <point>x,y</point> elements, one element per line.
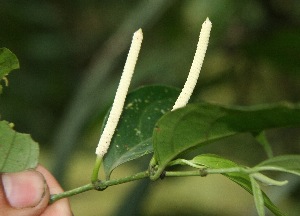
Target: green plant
<point>147,125</point>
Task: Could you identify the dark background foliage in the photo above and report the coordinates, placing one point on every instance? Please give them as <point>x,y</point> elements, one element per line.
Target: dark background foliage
<point>72,54</point>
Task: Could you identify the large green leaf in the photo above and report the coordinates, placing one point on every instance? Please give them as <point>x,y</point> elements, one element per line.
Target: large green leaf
<point>132,139</point>
<point>17,151</point>
<point>216,162</point>
<point>8,62</point>
<point>199,124</point>
<point>283,163</point>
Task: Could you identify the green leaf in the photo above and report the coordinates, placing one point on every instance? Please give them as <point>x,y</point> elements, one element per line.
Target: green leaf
<point>283,163</point>
<point>216,162</point>
<point>213,161</point>
<point>200,124</point>
<point>8,62</point>
<point>17,151</point>
<point>258,197</point>
<point>132,139</point>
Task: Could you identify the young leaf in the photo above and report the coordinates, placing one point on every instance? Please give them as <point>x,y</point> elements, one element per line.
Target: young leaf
<point>200,124</point>
<point>132,138</point>
<point>216,162</point>
<point>283,163</point>
<point>8,62</point>
<point>17,151</point>
<point>213,161</point>
<point>258,197</point>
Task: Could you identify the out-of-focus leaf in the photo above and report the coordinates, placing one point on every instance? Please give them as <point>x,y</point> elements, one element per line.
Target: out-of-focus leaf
<point>132,138</point>
<point>17,151</point>
<point>280,48</point>
<point>200,124</point>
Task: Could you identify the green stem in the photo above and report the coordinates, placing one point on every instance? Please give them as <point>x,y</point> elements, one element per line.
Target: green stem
<point>182,173</point>
<point>96,169</point>
<point>185,162</point>
<point>262,139</point>
<point>228,170</point>
<point>137,176</point>
<point>55,197</point>
<point>98,185</point>
<point>206,171</point>
<point>101,185</point>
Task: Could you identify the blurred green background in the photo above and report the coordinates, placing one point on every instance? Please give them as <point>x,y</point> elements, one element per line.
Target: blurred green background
<point>72,54</point>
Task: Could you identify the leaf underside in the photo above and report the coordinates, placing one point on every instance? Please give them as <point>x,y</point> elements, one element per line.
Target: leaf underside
<point>132,138</point>
<point>17,151</point>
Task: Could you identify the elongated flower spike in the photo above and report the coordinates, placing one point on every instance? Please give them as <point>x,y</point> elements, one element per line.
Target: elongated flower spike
<point>191,81</point>
<point>121,93</point>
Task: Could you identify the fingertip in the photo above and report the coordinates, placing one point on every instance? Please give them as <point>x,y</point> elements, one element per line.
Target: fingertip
<point>54,186</point>
<point>60,207</point>
<point>24,189</point>
<point>23,193</point>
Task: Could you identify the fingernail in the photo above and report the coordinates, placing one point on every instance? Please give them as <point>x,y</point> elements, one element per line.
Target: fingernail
<point>25,189</point>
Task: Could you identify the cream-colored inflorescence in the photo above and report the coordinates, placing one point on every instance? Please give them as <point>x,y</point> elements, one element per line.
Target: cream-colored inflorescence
<point>191,81</point>
<point>122,90</point>
<point>120,97</point>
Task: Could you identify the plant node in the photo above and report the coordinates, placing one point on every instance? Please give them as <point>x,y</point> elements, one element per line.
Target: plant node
<point>162,175</point>
<point>203,172</point>
<point>99,186</point>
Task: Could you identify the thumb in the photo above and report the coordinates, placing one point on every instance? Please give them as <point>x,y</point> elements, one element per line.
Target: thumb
<point>23,193</point>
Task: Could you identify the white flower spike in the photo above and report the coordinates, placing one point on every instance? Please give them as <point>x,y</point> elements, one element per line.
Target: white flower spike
<point>121,93</point>
<point>191,81</point>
